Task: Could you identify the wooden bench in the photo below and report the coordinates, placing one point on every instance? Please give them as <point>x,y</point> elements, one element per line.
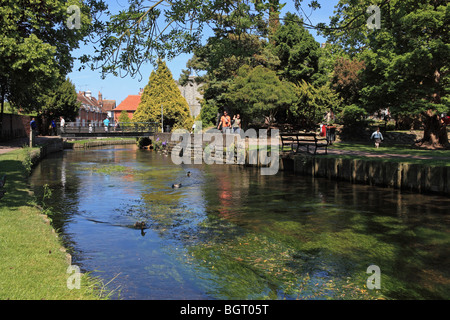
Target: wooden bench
<point>297,140</point>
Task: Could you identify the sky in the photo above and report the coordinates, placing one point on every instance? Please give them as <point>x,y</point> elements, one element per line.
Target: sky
<point>118,88</point>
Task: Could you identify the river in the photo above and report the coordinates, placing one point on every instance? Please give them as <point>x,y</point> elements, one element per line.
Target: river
<point>230,233</point>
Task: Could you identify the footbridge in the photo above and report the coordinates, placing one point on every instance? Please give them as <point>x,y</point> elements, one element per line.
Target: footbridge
<point>129,130</point>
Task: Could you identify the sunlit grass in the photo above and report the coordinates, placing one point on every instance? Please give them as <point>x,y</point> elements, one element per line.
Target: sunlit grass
<point>391,149</point>
<point>33,263</point>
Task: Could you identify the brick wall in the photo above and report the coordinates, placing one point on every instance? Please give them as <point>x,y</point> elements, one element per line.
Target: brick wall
<point>14,126</point>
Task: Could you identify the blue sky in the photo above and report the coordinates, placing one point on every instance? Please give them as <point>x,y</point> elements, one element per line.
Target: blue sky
<point>117,88</point>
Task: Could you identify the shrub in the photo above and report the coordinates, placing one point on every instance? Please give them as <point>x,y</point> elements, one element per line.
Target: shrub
<point>143,142</point>
<point>353,115</point>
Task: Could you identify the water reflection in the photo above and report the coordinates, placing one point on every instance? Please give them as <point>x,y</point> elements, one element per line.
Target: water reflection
<point>231,233</point>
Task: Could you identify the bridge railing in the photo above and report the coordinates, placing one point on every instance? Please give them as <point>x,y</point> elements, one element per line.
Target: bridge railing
<point>126,127</point>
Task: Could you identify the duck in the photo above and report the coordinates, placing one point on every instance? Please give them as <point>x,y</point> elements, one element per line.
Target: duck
<point>177,185</point>
<point>140,225</point>
<point>188,173</point>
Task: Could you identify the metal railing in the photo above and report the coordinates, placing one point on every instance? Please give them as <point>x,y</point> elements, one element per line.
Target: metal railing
<point>117,128</point>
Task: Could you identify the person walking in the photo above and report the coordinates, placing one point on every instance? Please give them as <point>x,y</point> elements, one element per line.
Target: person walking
<point>225,122</point>
<point>62,124</point>
<point>106,124</point>
<point>237,124</point>
<point>33,132</point>
<point>33,125</point>
<point>53,126</point>
<point>377,136</point>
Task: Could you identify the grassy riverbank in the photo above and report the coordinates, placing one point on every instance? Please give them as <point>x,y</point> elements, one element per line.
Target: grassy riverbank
<point>118,140</point>
<point>33,263</point>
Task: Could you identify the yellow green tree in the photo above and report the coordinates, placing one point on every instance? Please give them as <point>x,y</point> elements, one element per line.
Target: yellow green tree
<point>162,92</point>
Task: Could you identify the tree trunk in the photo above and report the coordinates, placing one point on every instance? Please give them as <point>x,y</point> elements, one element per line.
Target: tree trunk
<point>435,132</point>
<point>435,129</point>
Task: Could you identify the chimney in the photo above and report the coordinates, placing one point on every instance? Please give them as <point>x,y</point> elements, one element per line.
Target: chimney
<point>88,94</point>
<point>141,90</point>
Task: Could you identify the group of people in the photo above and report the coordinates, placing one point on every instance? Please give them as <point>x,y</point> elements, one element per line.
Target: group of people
<point>62,124</point>
<point>52,127</point>
<point>228,125</point>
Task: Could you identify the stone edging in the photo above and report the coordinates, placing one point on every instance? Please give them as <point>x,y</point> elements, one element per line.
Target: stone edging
<point>399,175</point>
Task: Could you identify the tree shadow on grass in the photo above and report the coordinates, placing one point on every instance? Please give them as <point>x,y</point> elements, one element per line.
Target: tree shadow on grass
<point>16,186</point>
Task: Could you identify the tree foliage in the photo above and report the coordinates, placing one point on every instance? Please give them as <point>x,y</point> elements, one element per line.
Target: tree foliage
<point>258,92</point>
<point>346,79</point>
<point>407,60</point>
<point>162,91</point>
<point>60,102</point>
<point>123,117</point>
<point>36,46</point>
<point>312,103</point>
<point>297,50</point>
<point>36,50</point>
<point>144,33</point>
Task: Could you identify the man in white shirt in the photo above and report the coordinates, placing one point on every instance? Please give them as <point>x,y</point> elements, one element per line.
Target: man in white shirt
<point>378,137</point>
<point>62,124</point>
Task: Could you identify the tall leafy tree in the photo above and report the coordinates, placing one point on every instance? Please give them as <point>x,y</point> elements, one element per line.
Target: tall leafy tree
<point>346,79</point>
<point>407,60</point>
<point>297,50</point>
<point>162,92</point>
<point>257,93</point>
<point>62,101</point>
<point>221,58</point>
<point>36,44</point>
<point>312,103</point>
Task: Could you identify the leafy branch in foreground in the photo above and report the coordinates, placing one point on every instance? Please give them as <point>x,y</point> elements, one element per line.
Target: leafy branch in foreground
<point>150,30</point>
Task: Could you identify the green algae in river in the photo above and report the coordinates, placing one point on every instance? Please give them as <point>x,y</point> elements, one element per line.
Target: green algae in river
<point>230,233</point>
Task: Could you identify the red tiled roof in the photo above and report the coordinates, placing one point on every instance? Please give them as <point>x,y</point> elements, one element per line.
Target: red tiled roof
<point>108,105</point>
<point>92,101</point>
<point>130,103</point>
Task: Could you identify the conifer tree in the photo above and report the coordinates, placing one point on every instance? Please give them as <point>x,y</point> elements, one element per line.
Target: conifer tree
<point>162,90</point>
<point>123,117</point>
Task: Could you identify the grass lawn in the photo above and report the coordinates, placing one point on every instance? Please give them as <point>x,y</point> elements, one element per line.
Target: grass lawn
<point>404,153</point>
<point>391,149</point>
<point>32,264</point>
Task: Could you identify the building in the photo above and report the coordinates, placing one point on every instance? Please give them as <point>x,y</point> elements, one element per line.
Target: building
<point>190,92</point>
<point>91,110</point>
<point>130,105</point>
<point>108,106</point>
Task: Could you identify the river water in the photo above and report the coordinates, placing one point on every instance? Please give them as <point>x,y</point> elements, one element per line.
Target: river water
<point>231,233</point>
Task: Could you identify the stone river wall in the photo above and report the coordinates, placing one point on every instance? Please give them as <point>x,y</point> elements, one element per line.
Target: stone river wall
<point>406,176</point>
